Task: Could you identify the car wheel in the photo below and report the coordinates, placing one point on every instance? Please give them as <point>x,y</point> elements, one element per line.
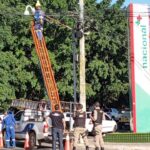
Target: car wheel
<point>39,143</point>
<point>32,140</point>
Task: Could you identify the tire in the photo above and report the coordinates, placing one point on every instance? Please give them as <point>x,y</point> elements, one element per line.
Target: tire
<point>32,140</point>
<point>39,144</point>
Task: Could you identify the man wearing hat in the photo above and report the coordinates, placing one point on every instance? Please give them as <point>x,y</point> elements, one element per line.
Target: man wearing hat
<point>97,118</point>
<point>39,20</point>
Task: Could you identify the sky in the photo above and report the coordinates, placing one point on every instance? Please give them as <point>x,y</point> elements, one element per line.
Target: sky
<point>133,1</point>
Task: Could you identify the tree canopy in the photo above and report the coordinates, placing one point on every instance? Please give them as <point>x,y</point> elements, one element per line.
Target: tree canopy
<point>106,51</point>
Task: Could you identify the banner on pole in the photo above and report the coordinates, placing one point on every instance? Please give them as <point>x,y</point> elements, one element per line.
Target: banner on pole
<point>139,65</point>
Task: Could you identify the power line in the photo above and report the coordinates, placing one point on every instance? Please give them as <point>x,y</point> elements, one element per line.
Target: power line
<point>126,12</point>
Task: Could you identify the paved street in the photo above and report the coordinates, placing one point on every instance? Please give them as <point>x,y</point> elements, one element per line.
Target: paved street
<point>108,146</point>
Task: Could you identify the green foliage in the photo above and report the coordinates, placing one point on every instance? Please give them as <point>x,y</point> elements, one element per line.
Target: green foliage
<point>107,52</point>
<point>20,73</point>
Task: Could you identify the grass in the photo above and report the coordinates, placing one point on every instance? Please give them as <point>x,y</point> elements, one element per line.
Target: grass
<point>128,137</point>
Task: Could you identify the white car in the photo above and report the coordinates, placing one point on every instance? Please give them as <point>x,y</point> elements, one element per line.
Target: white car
<point>108,125</point>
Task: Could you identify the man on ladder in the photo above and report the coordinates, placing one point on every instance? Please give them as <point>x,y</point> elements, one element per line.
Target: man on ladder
<point>39,20</point>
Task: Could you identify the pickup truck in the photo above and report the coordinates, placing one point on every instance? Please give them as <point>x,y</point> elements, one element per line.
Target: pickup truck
<point>33,122</point>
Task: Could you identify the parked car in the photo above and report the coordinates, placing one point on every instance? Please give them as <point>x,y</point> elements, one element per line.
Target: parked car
<point>108,125</point>
<point>124,120</point>
<point>114,113</point>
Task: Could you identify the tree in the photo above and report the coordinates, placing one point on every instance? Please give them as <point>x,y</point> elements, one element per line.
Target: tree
<point>20,69</point>
<point>107,52</point>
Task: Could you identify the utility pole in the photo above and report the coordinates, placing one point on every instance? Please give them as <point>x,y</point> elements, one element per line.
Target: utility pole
<point>74,66</point>
<point>82,58</point>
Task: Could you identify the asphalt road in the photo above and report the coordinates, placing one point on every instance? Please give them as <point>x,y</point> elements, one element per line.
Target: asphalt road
<point>108,146</point>
<point>44,146</point>
<point>20,146</point>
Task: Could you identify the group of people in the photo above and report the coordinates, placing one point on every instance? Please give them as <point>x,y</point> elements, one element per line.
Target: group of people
<point>58,127</point>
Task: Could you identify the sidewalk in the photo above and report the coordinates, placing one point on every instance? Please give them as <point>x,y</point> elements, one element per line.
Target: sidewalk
<point>118,146</point>
<point>121,146</point>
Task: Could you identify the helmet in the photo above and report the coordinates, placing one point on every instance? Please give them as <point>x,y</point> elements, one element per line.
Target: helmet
<point>38,4</point>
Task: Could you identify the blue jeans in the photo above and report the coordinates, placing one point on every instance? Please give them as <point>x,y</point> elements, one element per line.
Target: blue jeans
<point>57,133</point>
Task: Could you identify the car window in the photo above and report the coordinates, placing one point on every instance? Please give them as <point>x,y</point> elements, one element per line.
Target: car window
<point>114,110</point>
<point>18,116</point>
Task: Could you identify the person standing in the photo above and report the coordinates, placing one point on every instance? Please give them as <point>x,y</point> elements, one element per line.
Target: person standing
<point>9,123</point>
<point>58,127</point>
<point>39,20</point>
<point>79,124</point>
<point>97,117</point>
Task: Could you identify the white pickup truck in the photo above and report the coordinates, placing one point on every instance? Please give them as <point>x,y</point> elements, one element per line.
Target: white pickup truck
<point>31,117</point>
<point>33,122</point>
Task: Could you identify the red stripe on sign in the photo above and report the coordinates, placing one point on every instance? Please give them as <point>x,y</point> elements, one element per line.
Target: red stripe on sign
<point>132,62</point>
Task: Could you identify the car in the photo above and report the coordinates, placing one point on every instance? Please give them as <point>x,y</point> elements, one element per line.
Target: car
<point>108,125</point>
<point>124,120</point>
<point>114,113</point>
<point>33,122</point>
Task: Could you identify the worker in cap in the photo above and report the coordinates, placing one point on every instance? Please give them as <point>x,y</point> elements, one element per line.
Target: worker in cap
<point>39,20</point>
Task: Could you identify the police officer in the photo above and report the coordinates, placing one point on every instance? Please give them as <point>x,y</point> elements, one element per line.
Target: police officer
<point>97,117</point>
<point>39,20</point>
<point>79,124</point>
<point>9,124</point>
<point>58,127</point>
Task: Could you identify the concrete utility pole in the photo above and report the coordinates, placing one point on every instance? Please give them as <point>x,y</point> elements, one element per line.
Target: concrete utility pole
<point>82,58</point>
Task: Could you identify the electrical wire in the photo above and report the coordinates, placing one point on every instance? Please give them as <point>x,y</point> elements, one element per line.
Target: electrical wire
<point>126,12</point>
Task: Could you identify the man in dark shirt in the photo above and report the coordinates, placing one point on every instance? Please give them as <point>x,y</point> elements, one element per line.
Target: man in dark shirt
<point>58,127</point>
